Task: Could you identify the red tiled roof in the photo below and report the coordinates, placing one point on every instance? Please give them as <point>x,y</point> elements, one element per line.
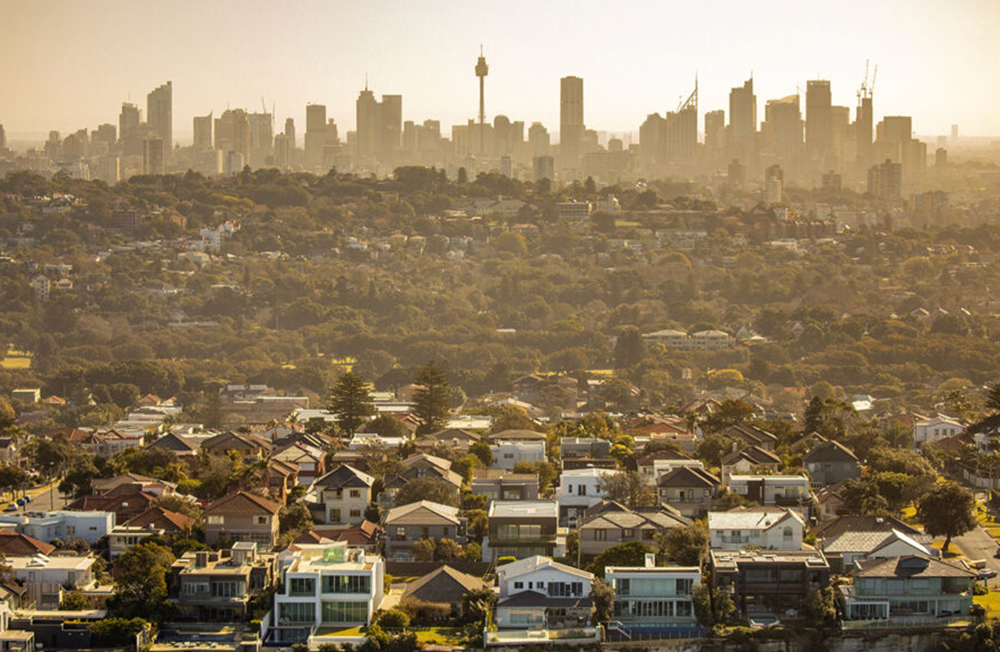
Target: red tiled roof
<point>14,544</point>
<point>242,503</point>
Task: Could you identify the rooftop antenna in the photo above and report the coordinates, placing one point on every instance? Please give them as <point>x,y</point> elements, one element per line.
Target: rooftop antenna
<point>366,81</point>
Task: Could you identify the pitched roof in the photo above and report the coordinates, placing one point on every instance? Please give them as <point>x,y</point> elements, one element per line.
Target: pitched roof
<point>612,515</point>
<point>524,435</point>
<point>443,585</point>
<point>537,599</point>
<point>15,544</point>
<point>424,512</point>
<point>236,440</point>
<point>242,502</point>
<point>162,518</point>
<point>344,475</point>
<point>688,476</point>
<point>174,442</point>
<point>841,524</point>
<point>649,458</point>
<point>750,434</point>
<point>535,562</point>
<point>753,454</point>
<point>910,566</point>
<point>752,519</point>
<point>433,460</point>
<point>869,542</point>
<point>830,451</point>
<point>503,474</point>
<point>360,534</point>
<point>454,433</point>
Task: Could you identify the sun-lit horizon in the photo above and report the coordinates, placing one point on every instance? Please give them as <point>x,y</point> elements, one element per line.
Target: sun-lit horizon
<point>67,66</point>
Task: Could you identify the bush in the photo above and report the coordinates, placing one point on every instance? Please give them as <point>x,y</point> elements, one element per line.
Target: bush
<point>394,619</point>
<point>423,614</point>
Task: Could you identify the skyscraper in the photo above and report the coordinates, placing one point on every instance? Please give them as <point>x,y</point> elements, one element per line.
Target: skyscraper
<point>160,116</point>
<point>129,120</point>
<point>570,118</point>
<point>315,135</point>
<point>153,161</point>
<point>390,117</point>
<point>203,132</point>
<point>681,137</point>
<point>863,123</point>
<point>715,130</point>
<point>742,136</point>
<point>290,133</point>
<point>538,139</point>
<point>232,134</point>
<point>782,129</point>
<point>481,71</point>
<point>819,117</point>
<point>885,181</point>
<point>3,139</point>
<point>366,112</point>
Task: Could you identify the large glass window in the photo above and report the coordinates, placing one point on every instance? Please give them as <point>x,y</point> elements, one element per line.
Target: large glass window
<point>296,612</point>
<point>346,584</point>
<point>345,612</point>
<point>227,589</point>
<point>302,586</point>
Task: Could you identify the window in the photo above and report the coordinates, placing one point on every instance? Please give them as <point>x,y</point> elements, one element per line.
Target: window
<point>600,535</point>
<point>518,585</point>
<point>569,489</point>
<point>228,589</point>
<point>302,586</point>
<point>261,520</point>
<point>683,586</point>
<point>622,586</point>
<point>216,520</point>
<point>70,529</point>
<point>400,533</point>
<point>346,584</point>
<point>649,535</point>
<point>425,532</point>
<point>345,612</point>
<point>355,513</point>
<point>786,534</point>
<point>296,612</point>
<point>335,516</point>
<point>355,493</point>
<point>581,490</point>
<point>628,533</point>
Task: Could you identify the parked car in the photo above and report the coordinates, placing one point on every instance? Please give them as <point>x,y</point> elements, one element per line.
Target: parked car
<point>10,508</point>
<point>986,573</point>
<point>20,502</point>
<point>27,498</point>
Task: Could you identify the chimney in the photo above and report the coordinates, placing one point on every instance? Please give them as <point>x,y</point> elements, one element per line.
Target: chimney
<point>650,560</point>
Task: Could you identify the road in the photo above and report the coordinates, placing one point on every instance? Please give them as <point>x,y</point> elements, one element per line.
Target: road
<point>44,498</point>
<point>977,544</point>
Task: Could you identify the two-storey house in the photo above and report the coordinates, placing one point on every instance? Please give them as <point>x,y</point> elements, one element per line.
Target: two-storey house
<point>653,598</point>
<point>748,460</point>
<point>407,524</point>
<point>324,585</point>
<point>507,453</point>
<point>47,578</point>
<point>780,490</point>
<point>417,467</point>
<point>341,497</point>
<point>308,460</point>
<point>769,584</point>
<point>539,592</point>
<point>688,489</point>
<point>830,463</point>
<point>846,548</point>
<point>611,524</point>
<point>242,516</point>
<point>914,588</point>
<point>766,528</point>
<point>653,465</point>
<point>524,528</point>
<point>579,489</point>
<point>217,586</point>
<point>501,484</point>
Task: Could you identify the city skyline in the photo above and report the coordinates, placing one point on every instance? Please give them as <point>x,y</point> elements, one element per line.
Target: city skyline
<point>40,97</point>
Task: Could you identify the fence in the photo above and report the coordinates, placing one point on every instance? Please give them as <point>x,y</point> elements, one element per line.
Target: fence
<point>907,623</point>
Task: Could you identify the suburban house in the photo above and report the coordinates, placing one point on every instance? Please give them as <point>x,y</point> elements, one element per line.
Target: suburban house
<point>282,477</point>
<point>912,588</point>
<point>417,467</point>
<point>176,444</point>
<point>749,460</point>
<point>766,584</point>
<point>830,463</point>
<point>538,592</point>
<point>585,447</point>
<point>829,502</point>
<point>61,524</point>
<point>163,519</point>
<point>124,537</point>
<point>365,535</point>
<point>579,489</point>
<point>148,485</point>
<point>653,598</point>
<point>242,516</point>
<point>830,529</point>
<point>610,524</point>
<point>507,453</point>
<point>936,428</point>
<point>524,528</point>
<point>47,578</point>
<point>249,445</point>
<point>309,460</point>
<point>653,465</point>
<point>688,489</point>
<point>125,501</point>
<point>217,586</point>
<point>457,438</point>
<point>751,436</point>
<point>15,544</point>
<point>501,484</point>
<point>444,586</point>
<point>848,547</point>
<point>781,490</point>
<point>341,496</point>
<point>763,528</point>
<point>407,524</point>
<point>324,585</point>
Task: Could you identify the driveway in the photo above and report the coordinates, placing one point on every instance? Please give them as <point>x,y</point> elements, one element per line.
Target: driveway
<point>977,544</point>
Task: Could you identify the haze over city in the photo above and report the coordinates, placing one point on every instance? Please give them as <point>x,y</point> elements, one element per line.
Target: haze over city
<point>67,65</point>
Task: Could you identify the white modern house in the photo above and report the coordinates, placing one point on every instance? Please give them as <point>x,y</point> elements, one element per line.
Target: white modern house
<point>324,585</point>
<point>770,529</point>
<point>46,578</point>
<point>578,490</point>
<point>61,524</point>
<point>653,597</point>
<point>935,429</point>
<point>507,453</point>
<point>538,592</point>
<point>782,490</point>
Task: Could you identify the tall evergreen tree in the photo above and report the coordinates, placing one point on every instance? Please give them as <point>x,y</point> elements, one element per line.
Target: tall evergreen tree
<point>432,399</point>
<point>351,402</point>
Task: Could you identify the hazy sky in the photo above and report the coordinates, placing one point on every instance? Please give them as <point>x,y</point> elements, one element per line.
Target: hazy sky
<point>69,64</point>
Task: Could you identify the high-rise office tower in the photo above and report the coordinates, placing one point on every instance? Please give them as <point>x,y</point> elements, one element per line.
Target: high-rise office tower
<point>715,130</point>
<point>774,181</point>
<point>290,132</point>
<point>261,138</point>
<point>864,122</point>
<point>571,125</point>
<point>651,139</point>
<point>501,135</point>
<point>282,152</point>
<point>232,134</point>
<point>481,71</point>
<point>742,137</point>
<point>390,117</point>
<point>153,159</point>
<point>954,134</point>
<point>202,132</point>
<point>538,139</point>
<point>160,116</point>
<point>819,117</point>
<point>3,139</point>
<point>129,120</point>
<point>840,126</point>
<point>315,135</point>
<point>366,112</point>
<point>681,135</point>
<point>106,134</point>
<point>885,181</point>
<point>543,167</point>
<point>782,128</point>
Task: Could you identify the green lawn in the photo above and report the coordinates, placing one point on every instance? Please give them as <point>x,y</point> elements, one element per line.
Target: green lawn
<point>440,636</point>
<point>990,602</point>
<point>333,631</point>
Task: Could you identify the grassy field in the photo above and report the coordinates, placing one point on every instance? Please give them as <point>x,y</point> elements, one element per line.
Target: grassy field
<point>990,602</point>
<point>953,550</point>
<point>440,636</point>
